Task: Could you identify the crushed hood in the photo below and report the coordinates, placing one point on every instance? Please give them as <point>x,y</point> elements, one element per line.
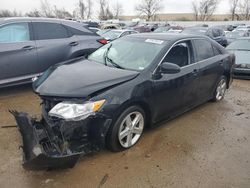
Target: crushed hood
<point>80,78</point>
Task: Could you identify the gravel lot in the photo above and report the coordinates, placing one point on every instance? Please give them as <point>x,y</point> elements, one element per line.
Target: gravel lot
<point>207,147</point>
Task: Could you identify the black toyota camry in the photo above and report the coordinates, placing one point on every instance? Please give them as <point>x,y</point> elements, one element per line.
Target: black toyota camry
<point>111,96</point>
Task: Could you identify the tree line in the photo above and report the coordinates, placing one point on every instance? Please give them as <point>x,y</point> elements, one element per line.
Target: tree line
<point>83,10</point>
<point>203,10</point>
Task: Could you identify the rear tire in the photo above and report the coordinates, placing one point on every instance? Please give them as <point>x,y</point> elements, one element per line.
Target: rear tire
<point>220,90</point>
<point>127,130</point>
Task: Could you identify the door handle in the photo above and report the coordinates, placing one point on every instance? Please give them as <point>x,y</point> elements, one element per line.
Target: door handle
<point>195,72</point>
<point>28,47</point>
<point>73,43</point>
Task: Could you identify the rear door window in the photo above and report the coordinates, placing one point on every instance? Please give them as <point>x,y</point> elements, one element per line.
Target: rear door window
<point>45,31</point>
<point>16,32</point>
<point>204,49</point>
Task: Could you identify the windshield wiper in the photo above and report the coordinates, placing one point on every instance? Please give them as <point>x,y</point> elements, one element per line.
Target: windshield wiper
<point>106,54</point>
<point>106,57</point>
<point>113,63</point>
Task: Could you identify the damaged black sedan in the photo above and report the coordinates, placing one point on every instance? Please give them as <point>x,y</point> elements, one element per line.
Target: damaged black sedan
<point>108,98</point>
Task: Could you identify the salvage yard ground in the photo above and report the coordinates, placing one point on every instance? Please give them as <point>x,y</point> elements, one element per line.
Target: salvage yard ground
<point>207,147</point>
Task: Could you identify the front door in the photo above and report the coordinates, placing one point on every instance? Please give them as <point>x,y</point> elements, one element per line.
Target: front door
<point>18,57</point>
<point>175,92</point>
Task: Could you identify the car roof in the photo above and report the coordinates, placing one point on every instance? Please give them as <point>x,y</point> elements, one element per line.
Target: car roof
<point>166,36</point>
<point>70,23</point>
<point>244,38</point>
<point>18,19</point>
<point>121,30</point>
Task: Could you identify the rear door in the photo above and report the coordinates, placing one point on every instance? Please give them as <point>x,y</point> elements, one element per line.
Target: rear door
<point>173,93</point>
<point>54,43</point>
<point>210,61</point>
<point>18,57</point>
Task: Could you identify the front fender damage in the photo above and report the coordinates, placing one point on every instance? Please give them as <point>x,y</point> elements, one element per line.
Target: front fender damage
<point>48,145</point>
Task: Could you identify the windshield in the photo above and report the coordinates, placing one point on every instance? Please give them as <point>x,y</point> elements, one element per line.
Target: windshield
<point>130,53</point>
<point>111,34</point>
<point>235,34</point>
<point>240,45</point>
<point>195,31</point>
<point>161,29</point>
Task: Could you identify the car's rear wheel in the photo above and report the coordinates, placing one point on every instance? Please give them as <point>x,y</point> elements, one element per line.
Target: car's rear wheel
<point>127,130</point>
<point>220,89</point>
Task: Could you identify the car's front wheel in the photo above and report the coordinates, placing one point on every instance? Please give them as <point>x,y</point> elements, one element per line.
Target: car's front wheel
<point>127,130</point>
<point>220,89</point>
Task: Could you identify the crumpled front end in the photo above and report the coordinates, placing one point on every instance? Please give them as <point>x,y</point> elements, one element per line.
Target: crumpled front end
<point>54,143</point>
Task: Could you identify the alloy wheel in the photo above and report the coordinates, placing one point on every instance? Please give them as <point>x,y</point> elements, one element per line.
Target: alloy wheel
<point>221,89</point>
<point>131,129</point>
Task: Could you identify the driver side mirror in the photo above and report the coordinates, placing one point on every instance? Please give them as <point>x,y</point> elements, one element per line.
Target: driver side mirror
<point>169,68</point>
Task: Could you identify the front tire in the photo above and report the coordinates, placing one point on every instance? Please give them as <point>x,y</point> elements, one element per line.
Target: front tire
<point>127,130</point>
<point>220,90</point>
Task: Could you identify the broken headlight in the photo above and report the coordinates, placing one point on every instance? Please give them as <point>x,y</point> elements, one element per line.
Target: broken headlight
<point>75,112</point>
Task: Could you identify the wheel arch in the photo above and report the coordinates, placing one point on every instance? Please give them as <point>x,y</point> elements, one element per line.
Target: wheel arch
<point>227,76</point>
<point>142,104</point>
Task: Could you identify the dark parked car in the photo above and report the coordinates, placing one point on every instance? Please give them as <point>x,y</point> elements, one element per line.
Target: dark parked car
<point>225,27</point>
<point>241,49</point>
<point>92,24</point>
<point>142,28</point>
<point>109,98</point>
<point>214,33</point>
<point>29,46</point>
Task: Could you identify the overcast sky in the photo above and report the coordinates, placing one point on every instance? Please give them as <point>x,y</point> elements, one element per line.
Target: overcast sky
<point>170,6</point>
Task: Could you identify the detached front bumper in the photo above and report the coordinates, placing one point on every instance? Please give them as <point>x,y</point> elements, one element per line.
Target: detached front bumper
<point>43,148</point>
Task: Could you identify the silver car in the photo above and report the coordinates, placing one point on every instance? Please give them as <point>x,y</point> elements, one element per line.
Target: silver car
<point>29,46</point>
<point>111,35</point>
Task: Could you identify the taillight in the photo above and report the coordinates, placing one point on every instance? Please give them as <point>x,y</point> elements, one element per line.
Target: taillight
<point>103,41</point>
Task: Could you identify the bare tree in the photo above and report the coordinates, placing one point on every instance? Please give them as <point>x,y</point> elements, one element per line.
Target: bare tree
<point>149,8</point>
<point>82,9</point>
<point>8,13</point>
<point>46,9</point>
<point>195,9</point>
<point>233,7</point>
<point>204,9</point>
<point>62,13</point>
<point>102,4</point>
<point>244,9</point>
<point>89,8</point>
<point>105,12</point>
<point>34,13</point>
<point>117,10</point>
<point>207,9</point>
